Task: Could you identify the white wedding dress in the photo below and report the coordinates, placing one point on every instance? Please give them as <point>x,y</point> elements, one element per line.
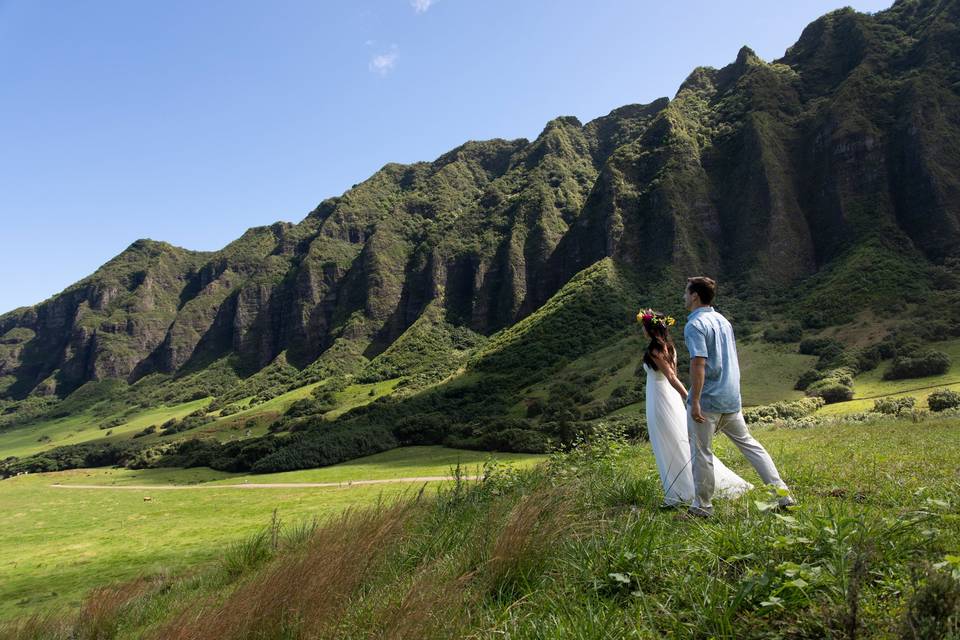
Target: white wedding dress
<point>667,427</point>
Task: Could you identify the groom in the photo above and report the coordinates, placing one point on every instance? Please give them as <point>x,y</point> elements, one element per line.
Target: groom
<point>714,398</point>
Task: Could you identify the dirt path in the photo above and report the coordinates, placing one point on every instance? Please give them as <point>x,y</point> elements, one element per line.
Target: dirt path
<point>256,485</point>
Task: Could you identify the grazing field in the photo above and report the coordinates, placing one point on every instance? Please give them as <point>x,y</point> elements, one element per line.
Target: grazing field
<point>57,543</point>
<point>769,371</point>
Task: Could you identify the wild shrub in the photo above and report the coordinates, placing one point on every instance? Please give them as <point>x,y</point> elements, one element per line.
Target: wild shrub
<point>894,406</point>
<point>933,610</point>
<point>788,333</point>
<point>146,432</point>
<point>783,410</point>
<point>943,399</point>
<point>315,448</point>
<point>930,363</point>
<point>506,435</point>
<point>422,429</point>
<point>831,390</point>
<point>109,424</point>
<point>807,378</point>
<point>72,457</point>
<point>819,346</point>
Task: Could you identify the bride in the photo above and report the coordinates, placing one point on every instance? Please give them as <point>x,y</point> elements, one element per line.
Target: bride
<point>667,419</point>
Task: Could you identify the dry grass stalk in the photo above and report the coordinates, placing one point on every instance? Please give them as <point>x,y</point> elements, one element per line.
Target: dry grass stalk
<point>300,594</point>
<point>532,528</point>
<point>100,612</point>
<point>98,618</point>
<point>433,606</point>
<point>37,627</point>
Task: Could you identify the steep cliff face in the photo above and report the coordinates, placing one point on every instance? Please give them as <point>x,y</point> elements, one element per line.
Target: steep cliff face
<point>759,173</point>
<point>101,327</point>
<point>764,173</point>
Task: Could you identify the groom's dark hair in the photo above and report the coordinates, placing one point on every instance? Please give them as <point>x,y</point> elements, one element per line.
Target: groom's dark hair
<point>705,288</point>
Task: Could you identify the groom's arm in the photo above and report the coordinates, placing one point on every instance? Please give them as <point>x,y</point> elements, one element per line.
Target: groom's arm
<point>698,372</point>
<point>697,346</point>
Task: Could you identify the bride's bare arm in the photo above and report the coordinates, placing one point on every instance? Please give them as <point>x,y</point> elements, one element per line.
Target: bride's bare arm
<point>669,368</point>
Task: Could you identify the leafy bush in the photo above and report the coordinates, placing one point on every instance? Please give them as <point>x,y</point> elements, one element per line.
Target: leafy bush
<point>934,608</point>
<point>943,399</point>
<point>510,439</point>
<point>422,429</point>
<point>534,408</point>
<point>894,406</point>
<point>783,410</point>
<point>807,378</point>
<point>831,390</point>
<point>819,346</point>
<point>76,456</point>
<point>110,424</point>
<point>930,363</point>
<point>192,421</point>
<point>789,333</point>
<point>310,449</point>
<point>299,408</point>
<point>866,359</point>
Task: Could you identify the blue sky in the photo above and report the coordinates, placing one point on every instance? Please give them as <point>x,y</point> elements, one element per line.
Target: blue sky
<point>191,121</point>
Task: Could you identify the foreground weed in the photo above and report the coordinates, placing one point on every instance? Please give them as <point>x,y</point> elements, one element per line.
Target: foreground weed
<point>302,593</point>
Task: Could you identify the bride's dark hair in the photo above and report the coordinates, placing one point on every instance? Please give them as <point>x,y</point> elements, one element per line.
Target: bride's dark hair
<point>660,341</point>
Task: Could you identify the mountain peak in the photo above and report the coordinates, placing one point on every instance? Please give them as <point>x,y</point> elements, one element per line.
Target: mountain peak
<point>746,55</point>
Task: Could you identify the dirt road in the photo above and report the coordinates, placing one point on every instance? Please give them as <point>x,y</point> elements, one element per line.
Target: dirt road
<point>257,485</point>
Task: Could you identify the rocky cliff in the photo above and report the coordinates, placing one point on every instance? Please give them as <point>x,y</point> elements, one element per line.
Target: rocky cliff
<point>760,173</point>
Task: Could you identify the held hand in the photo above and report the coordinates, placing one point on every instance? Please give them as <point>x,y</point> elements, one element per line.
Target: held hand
<point>696,413</point>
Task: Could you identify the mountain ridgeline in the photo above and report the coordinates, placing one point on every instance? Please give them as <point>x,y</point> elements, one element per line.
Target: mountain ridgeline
<point>831,173</point>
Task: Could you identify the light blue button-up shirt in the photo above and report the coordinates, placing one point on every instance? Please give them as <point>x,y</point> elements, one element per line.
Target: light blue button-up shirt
<point>709,335</point>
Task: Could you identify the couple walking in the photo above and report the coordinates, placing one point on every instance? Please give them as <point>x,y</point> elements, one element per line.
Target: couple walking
<point>682,437</point>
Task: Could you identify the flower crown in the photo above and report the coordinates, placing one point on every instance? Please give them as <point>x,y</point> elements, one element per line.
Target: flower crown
<point>647,315</point>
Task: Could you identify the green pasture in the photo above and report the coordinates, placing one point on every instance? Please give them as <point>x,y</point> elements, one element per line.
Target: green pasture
<point>56,543</point>
<point>85,426</point>
<point>357,395</point>
<point>277,405</point>
<point>769,371</point>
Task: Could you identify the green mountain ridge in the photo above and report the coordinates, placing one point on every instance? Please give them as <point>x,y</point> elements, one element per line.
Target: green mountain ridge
<point>828,175</point>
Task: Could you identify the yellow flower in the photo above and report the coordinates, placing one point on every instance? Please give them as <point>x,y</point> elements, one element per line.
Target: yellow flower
<point>670,321</point>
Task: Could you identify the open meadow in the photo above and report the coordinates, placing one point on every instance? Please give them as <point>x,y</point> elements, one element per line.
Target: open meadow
<point>56,543</point>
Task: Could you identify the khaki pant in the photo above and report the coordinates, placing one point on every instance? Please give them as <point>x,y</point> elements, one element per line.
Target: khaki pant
<point>701,452</point>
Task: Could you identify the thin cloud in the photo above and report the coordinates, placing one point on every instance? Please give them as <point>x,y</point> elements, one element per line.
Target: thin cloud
<point>383,63</point>
<point>421,6</point>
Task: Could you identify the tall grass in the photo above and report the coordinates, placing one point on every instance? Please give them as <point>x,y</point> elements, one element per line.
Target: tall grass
<point>303,592</point>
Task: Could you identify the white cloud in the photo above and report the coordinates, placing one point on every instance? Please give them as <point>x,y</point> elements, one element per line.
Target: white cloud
<point>383,63</point>
<point>421,6</point>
